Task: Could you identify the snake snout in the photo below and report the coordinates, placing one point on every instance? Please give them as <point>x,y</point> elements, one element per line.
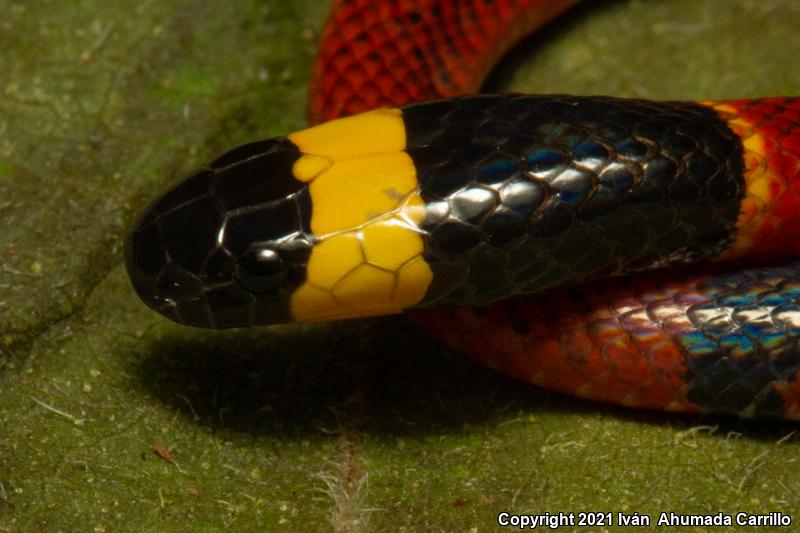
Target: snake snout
<point>226,246</point>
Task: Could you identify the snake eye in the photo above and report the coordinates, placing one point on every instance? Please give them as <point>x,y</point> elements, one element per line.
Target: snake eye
<point>261,270</point>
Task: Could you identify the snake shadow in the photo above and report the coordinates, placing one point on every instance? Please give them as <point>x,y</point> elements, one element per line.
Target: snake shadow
<point>387,376</point>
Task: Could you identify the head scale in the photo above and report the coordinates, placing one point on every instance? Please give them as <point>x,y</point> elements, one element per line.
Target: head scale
<point>227,246</point>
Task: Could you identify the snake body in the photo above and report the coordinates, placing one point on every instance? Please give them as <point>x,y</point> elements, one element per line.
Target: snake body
<point>471,200</point>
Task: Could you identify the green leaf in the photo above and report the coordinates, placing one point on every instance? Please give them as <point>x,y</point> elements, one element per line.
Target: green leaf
<point>114,419</point>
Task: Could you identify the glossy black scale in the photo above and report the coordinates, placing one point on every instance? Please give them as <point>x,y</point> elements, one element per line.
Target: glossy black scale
<point>744,341</point>
<point>524,193</point>
<point>227,246</point>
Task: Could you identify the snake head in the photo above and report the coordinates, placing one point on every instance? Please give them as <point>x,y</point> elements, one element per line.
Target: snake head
<point>323,224</point>
<point>227,245</point>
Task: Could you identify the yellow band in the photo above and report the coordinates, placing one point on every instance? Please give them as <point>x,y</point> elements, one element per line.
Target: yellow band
<point>754,214</point>
<point>365,213</point>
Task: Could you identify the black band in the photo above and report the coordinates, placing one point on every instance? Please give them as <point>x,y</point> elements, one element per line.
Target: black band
<point>530,192</point>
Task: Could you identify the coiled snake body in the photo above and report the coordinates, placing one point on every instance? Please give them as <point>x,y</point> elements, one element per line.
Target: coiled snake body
<point>470,200</point>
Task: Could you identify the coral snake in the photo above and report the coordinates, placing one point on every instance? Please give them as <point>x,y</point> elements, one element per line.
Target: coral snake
<point>462,202</point>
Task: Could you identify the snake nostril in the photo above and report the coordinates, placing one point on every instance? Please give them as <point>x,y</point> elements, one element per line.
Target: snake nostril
<point>220,267</point>
<point>174,284</point>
